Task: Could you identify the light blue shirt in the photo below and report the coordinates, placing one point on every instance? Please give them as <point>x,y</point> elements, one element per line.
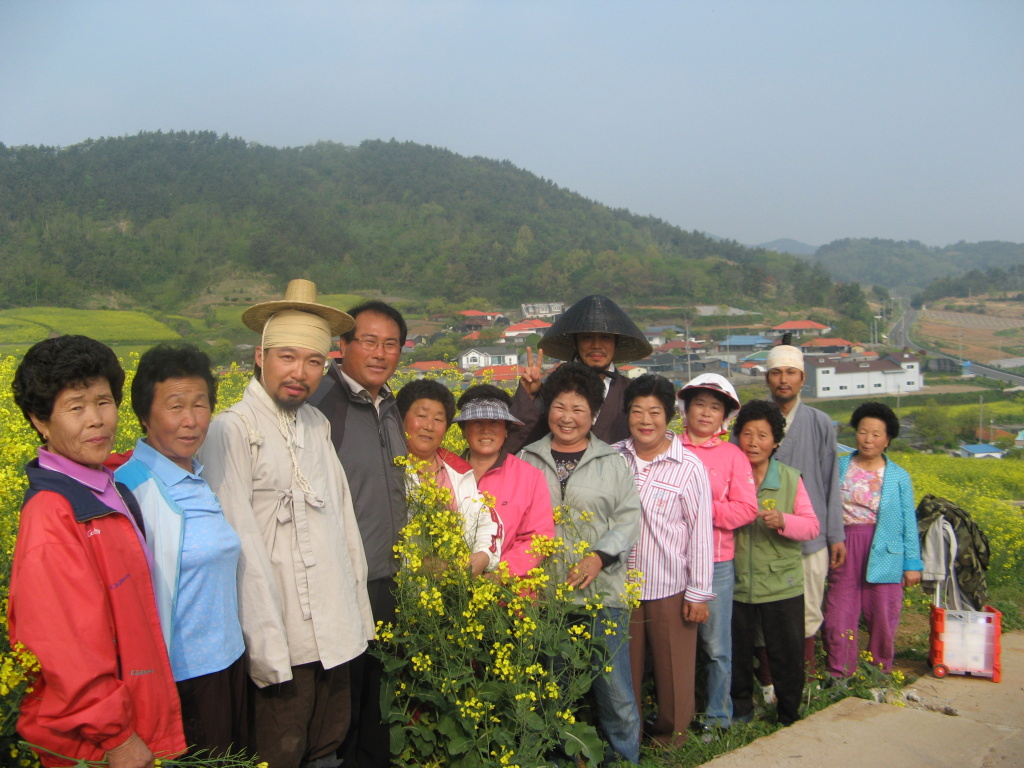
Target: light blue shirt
<point>206,634</point>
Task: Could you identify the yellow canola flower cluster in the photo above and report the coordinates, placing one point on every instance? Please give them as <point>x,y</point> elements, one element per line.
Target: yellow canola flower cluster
<point>17,668</point>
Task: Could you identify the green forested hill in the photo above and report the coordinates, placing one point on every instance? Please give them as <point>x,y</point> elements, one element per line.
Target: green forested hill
<point>909,265</point>
<point>159,217</point>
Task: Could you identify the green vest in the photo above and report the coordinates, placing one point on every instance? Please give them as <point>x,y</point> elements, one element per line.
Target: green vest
<point>769,566</point>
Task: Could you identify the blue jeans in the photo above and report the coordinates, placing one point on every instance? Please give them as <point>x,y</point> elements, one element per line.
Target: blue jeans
<point>715,637</point>
<point>617,716</point>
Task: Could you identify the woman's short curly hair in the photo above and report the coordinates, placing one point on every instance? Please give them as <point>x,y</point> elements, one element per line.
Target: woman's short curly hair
<point>877,411</point>
<point>169,361</point>
<point>574,377</point>
<point>484,392</point>
<point>651,385</point>
<point>53,365</point>
<point>756,410</point>
<point>426,389</point>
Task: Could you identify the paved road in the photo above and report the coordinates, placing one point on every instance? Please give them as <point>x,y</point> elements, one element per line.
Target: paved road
<point>900,336</point>
<point>987,730</point>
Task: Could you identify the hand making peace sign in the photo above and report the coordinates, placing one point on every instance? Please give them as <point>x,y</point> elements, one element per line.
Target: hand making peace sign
<point>530,378</point>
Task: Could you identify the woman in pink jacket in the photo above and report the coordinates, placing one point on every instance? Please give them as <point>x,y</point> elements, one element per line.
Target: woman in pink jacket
<point>709,403</point>
<point>520,492</point>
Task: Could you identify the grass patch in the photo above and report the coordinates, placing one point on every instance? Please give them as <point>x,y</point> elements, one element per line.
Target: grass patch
<point>106,325</point>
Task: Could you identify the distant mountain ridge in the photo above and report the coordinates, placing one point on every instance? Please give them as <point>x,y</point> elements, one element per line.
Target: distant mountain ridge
<point>160,217</point>
<point>909,266</point>
<point>788,245</point>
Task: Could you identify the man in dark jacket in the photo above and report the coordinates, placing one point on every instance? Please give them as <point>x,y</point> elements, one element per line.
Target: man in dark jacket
<point>367,432</point>
<point>594,331</point>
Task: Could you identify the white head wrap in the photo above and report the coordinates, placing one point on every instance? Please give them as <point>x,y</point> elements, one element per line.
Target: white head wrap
<point>785,356</point>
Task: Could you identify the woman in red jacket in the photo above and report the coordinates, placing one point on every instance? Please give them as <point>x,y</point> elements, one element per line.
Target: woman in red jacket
<point>81,596</point>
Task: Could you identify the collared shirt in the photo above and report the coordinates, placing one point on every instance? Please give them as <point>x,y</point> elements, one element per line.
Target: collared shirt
<point>674,550</point>
<point>363,392</point>
<point>206,635</point>
<point>100,482</point>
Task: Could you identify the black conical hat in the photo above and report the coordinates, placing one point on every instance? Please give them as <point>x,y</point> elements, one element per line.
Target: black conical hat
<point>595,314</point>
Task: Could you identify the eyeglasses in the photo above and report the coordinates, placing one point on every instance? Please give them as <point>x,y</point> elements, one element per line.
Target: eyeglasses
<point>371,343</point>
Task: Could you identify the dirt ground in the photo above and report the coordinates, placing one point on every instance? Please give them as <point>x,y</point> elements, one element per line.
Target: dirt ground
<point>973,335</point>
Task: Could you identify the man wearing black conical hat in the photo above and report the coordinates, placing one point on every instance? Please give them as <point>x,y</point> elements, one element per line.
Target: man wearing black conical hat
<point>594,331</point>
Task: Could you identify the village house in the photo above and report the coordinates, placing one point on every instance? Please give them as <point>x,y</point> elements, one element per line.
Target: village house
<point>550,309</point>
<point>798,329</point>
<point>980,451</point>
<point>826,346</point>
<point>475,320</point>
<point>657,335</point>
<point>478,357</point>
<point>742,345</point>
<point>519,332</point>
<point>834,376</point>
<point>682,347</point>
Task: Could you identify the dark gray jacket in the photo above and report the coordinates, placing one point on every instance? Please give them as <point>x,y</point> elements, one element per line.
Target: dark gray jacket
<point>367,446</point>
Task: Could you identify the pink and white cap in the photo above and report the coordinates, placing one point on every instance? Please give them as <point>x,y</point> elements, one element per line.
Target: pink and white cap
<point>716,383</point>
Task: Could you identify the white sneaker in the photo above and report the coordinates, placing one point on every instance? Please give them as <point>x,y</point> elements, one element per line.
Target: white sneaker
<point>768,694</point>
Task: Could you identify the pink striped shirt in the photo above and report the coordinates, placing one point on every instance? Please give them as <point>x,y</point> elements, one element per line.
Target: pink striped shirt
<point>674,549</point>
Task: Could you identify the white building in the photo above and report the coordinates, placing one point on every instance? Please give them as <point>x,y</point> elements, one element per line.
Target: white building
<point>478,357</point>
<point>543,309</point>
<point>837,377</point>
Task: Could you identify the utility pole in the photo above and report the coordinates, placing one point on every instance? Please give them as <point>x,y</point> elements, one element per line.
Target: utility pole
<point>689,376</point>
<point>981,415</point>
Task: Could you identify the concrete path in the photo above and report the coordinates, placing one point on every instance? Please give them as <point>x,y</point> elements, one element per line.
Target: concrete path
<point>986,731</point>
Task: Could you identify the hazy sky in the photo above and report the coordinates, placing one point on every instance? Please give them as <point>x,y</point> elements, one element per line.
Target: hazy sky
<point>749,120</point>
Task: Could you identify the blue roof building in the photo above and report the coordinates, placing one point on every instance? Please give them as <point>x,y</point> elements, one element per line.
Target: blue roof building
<point>980,451</point>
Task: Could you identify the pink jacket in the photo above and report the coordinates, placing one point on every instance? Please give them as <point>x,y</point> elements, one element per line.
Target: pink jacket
<point>523,503</point>
<point>732,490</point>
<point>802,524</point>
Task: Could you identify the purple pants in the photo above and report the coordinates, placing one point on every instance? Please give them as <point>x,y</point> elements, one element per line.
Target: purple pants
<point>849,597</point>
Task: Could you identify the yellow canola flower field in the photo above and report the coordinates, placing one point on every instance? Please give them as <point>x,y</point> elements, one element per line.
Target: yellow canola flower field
<point>990,490</point>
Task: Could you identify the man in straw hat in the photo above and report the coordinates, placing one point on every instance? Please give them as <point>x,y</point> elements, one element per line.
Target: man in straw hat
<point>302,573</point>
<point>594,331</point>
<point>809,446</point>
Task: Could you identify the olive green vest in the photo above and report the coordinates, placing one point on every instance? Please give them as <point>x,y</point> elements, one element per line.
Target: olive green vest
<point>769,566</point>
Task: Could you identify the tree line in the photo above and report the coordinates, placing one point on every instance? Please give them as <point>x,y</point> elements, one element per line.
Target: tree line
<point>160,217</point>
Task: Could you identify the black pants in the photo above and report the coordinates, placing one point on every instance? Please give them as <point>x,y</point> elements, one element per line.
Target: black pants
<point>782,622</point>
<point>368,744</point>
<point>215,709</point>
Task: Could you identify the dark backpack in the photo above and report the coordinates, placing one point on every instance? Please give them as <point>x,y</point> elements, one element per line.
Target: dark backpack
<point>972,545</point>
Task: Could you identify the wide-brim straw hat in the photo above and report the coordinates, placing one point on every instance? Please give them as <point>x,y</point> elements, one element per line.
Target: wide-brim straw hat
<point>595,314</point>
<point>301,295</point>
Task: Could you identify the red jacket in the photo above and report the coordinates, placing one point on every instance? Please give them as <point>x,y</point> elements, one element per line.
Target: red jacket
<point>81,600</point>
